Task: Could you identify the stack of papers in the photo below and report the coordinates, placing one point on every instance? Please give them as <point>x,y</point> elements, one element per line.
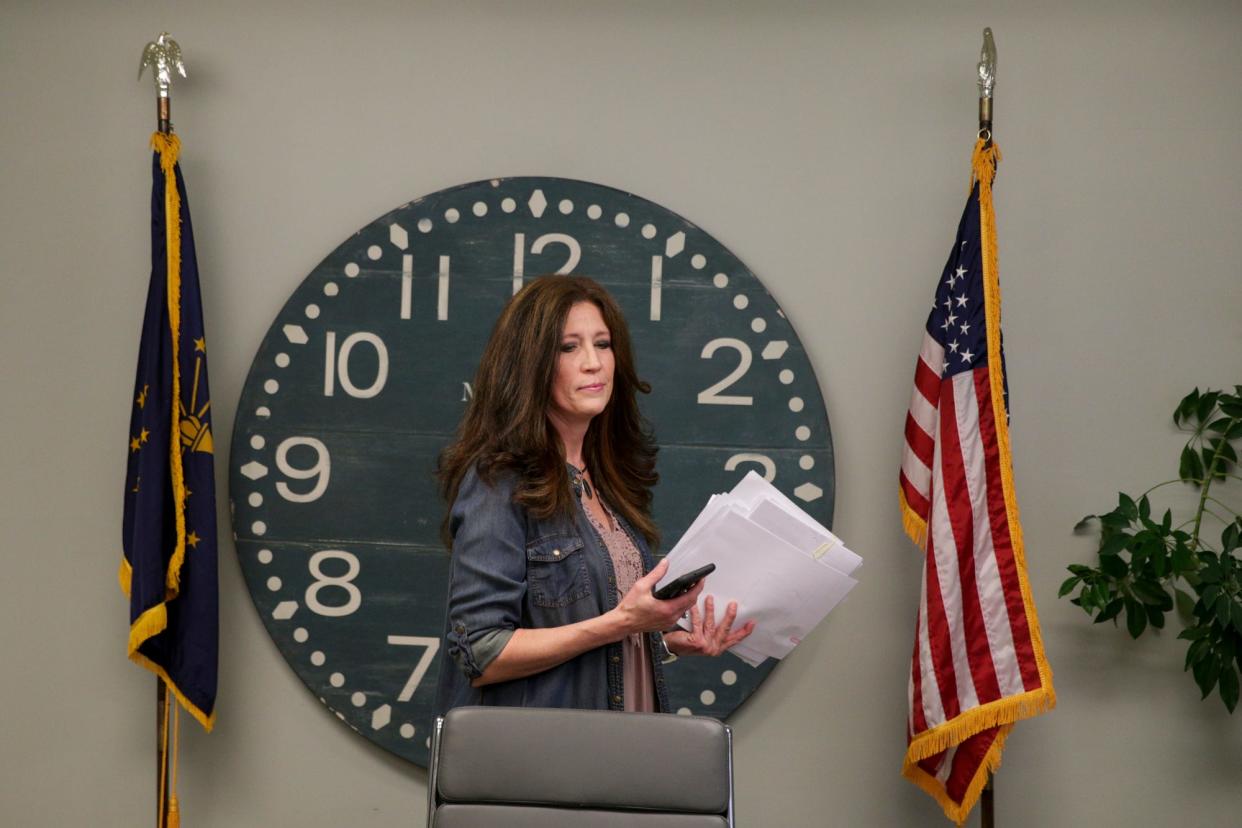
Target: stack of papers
<point>784,569</point>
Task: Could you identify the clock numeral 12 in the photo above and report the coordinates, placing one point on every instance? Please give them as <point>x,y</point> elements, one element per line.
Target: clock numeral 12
<point>536,247</point>
<point>432,646</point>
<point>336,365</point>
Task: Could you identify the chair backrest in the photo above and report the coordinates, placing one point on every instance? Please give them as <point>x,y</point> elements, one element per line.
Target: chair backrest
<point>518,767</point>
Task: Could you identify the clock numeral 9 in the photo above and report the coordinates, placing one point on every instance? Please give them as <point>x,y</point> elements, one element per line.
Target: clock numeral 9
<point>762,460</point>
<point>711,395</point>
<point>536,247</point>
<point>432,646</point>
<point>321,470</point>
<point>342,582</point>
<point>336,365</point>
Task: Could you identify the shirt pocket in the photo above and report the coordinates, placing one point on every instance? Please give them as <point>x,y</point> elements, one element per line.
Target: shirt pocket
<point>556,571</point>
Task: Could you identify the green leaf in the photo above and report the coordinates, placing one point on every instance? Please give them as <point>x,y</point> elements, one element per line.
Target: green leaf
<point>1155,617</point>
<point>1136,618</point>
<point>1186,406</point>
<point>1185,606</point>
<point>1110,611</point>
<point>1229,538</point>
<point>1125,505</point>
<point>1196,652</point>
<point>1113,566</point>
<point>1191,467</point>
<point>1183,558</point>
<point>1209,595</point>
<point>1167,522</point>
<point>1235,431</point>
<point>1203,408</point>
<point>1144,508</point>
<point>1220,424</point>
<point>1206,671</point>
<point>1232,407</point>
<point>1068,586</point>
<point>1236,616</point>
<point>1194,633</point>
<point>1114,544</point>
<point>1229,687</point>
<point>1224,610</point>
<point>1083,526</point>
<point>1150,592</point>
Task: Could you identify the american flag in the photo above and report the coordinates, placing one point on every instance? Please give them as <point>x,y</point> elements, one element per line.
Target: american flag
<point>978,663</point>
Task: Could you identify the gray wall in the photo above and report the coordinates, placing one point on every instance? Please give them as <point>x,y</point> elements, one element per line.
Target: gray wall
<point>827,145</point>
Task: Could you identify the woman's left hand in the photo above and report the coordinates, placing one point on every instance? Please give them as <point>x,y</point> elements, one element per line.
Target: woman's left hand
<point>705,637</point>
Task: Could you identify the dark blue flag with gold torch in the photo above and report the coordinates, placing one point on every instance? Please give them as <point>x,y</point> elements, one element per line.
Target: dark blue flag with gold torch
<point>169,564</point>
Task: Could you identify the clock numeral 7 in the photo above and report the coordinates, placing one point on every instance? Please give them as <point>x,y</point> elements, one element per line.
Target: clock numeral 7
<point>336,365</point>
<point>432,646</point>
<point>711,395</point>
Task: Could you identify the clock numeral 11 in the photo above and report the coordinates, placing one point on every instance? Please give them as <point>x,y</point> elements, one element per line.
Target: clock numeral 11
<point>336,364</point>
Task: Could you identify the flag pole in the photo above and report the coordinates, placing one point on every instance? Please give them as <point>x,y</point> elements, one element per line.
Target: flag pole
<point>163,55</point>
<point>987,83</point>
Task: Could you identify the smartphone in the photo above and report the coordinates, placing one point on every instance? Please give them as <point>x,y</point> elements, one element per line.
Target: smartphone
<point>685,583</point>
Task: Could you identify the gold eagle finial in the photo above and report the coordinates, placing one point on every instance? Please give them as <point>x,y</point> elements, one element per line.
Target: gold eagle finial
<point>163,55</point>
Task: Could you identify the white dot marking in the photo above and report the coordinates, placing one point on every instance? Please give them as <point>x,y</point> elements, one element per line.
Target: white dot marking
<point>649,231</point>
<point>566,206</point>
<point>271,386</point>
<point>263,411</point>
<point>740,301</point>
<point>684,711</point>
<point>707,697</point>
<point>282,360</point>
<point>451,215</point>
<point>802,433</point>
<point>257,441</point>
<point>331,289</point>
<point>594,211</point>
<point>337,680</point>
<point>424,225</point>
<point>479,209</point>
<point>795,404</point>
<point>300,635</point>
<point>720,280</point>
<point>698,261</point>
<point>758,324</point>
<point>255,499</point>
<point>374,252</point>
<point>259,527</point>
<point>273,584</point>
<point>358,699</point>
<point>806,462</point>
<point>265,556</point>
<point>312,311</point>
<point>508,205</point>
<point>352,270</point>
<point>622,220</point>
<point>317,658</point>
<point>728,678</point>
<point>407,731</point>
<point>786,376</point>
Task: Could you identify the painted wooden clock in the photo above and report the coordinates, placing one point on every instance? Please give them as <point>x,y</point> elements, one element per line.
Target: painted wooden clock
<point>364,374</point>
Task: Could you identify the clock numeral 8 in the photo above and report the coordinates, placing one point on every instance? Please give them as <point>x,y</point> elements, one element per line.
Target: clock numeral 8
<point>336,365</point>
<point>343,582</point>
<point>711,395</point>
<point>322,469</point>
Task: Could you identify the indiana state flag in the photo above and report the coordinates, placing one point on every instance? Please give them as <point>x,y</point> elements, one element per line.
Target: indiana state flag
<point>169,564</point>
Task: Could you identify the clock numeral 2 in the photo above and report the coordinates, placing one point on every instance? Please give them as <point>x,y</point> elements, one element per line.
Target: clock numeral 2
<point>342,582</point>
<point>322,469</point>
<point>711,395</point>
<point>336,364</point>
<point>536,247</point>
<point>432,646</point>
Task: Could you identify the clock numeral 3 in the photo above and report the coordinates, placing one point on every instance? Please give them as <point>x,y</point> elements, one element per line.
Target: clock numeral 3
<point>432,646</point>
<point>336,365</point>
<point>342,582</point>
<point>711,395</point>
<point>321,470</point>
<point>536,247</point>
<point>762,460</point>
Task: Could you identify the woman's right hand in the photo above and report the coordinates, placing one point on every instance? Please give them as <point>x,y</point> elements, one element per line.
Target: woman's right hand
<point>640,611</point>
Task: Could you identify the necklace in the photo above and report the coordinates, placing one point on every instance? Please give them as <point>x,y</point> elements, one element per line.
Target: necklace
<point>580,481</point>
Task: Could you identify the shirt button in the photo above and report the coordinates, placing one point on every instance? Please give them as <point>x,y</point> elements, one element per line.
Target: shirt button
<point>556,552</point>
<point>616,699</point>
<point>616,659</point>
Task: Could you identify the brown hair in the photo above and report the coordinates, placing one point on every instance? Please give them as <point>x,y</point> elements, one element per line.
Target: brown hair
<point>506,427</point>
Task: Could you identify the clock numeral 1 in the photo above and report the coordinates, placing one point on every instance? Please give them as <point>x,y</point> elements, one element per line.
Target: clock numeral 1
<point>432,645</point>
<point>336,365</point>
<point>343,582</point>
<point>442,296</point>
<point>322,469</point>
<point>657,286</point>
<point>407,284</point>
<point>711,395</point>
<point>536,247</point>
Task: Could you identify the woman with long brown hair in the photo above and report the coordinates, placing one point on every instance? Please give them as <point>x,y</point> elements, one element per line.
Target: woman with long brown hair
<point>549,483</point>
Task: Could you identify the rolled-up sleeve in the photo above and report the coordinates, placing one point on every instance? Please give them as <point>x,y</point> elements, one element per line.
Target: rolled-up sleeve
<point>487,573</point>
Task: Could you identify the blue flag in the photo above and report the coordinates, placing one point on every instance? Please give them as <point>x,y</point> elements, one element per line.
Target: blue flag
<point>169,564</point>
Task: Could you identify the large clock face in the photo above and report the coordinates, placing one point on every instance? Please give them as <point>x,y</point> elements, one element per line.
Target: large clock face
<point>364,374</point>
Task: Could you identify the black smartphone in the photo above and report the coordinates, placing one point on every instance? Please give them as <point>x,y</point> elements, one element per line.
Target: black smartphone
<point>685,583</point>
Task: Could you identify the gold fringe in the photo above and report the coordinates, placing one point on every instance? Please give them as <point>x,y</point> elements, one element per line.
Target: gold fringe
<point>959,811</point>
<point>125,574</point>
<point>208,722</point>
<point>164,757</point>
<point>169,148</point>
<point>914,525</point>
<point>152,622</point>
<point>1004,711</point>
<point>984,163</point>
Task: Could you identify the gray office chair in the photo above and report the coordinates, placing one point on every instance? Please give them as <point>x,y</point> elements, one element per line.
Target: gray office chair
<point>539,768</point>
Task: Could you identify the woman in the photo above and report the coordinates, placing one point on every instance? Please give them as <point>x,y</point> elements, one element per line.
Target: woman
<point>550,583</point>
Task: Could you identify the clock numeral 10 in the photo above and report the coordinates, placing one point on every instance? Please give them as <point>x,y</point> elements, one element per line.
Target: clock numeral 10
<point>711,395</point>
<point>536,247</point>
<point>336,364</point>
<point>432,646</point>
<point>343,582</point>
<point>321,469</point>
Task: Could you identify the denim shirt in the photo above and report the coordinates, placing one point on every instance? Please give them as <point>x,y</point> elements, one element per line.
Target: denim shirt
<point>509,570</point>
